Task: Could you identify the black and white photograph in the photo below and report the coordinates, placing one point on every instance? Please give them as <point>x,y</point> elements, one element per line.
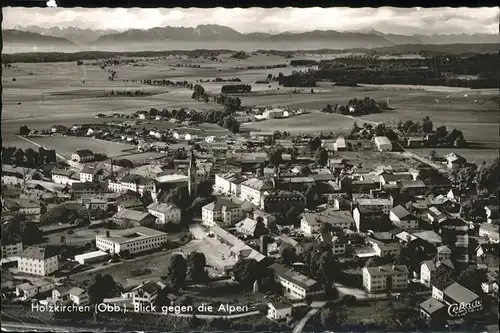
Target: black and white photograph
<point>295,170</point>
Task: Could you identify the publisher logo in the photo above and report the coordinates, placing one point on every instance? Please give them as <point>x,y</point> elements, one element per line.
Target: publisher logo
<point>461,309</point>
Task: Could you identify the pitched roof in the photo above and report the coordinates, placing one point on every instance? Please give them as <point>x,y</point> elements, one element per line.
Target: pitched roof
<point>401,212</point>
<point>39,252</point>
<point>217,205</point>
<point>162,207</point>
<point>387,269</point>
<point>258,184</point>
<point>130,214</point>
<point>136,179</point>
<point>290,275</point>
<point>459,293</point>
<point>279,305</point>
<point>84,152</point>
<point>62,172</point>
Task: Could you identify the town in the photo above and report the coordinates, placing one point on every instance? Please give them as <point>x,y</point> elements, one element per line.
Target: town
<point>253,188</point>
<point>285,225</point>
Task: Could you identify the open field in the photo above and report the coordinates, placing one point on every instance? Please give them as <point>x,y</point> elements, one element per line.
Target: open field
<point>472,111</point>
<point>68,145</point>
<point>472,155</point>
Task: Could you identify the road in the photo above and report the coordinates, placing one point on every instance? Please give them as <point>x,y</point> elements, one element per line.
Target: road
<point>22,327</point>
<point>316,306</point>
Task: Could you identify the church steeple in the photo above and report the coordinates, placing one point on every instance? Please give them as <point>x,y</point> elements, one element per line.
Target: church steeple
<point>192,175</point>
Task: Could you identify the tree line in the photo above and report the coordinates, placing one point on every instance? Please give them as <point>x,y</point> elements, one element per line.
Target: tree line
<point>29,158</point>
<point>126,93</point>
<point>167,83</point>
<point>238,88</point>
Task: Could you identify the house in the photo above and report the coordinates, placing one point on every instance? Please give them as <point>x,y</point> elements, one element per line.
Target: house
<point>454,161</point>
<point>311,222</point>
<point>31,289</point>
<point>252,190</point>
<point>415,142</point>
<point>133,240</point>
<point>249,227</point>
<point>384,205</point>
<point>61,293</point>
<point>132,182</point>
<point>337,242</point>
<point>279,201</point>
<point>340,144</point>
<point>165,212</point>
<point>221,211</point>
<point>435,216</point>
<point>388,178</point>
<point>128,217</point>
<point>279,311</point>
<point>267,219</point>
<point>487,255</point>
<point>430,268</point>
<point>296,285</point>
<point>64,177</point>
<point>82,156</point>
<point>38,260</point>
<point>228,183</point>
<point>413,187</point>
<point>79,296</point>
<point>144,294</point>
<point>490,286</point>
<point>443,252</point>
<point>454,293</point>
<point>432,308</point>
<point>492,214</point>
<point>11,248</point>
<point>91,174</point>
<point>489,231</point>
<point>401,218</point>
<point>369,218</point>
<point>385,278</point>
<point>383,143</point>
<point>87,190</point>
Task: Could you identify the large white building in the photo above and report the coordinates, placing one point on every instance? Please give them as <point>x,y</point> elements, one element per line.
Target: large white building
<point>38,260</point>
<point>253,189</point>
<point>132,182</point>
<point>383,143</point>
<point>12,249</point>
<point>64,177</point>
<point>165,212</point>
<point>222,212</point>
<point>385,278</point>
<point>228,184</point>
<point>133,240</point>
<point>311,222</point>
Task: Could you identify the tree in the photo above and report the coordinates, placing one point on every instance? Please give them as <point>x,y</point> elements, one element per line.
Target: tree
<point>305,170</point>
<point>472,278</point>
<point>176,272</point>
<point>380,130</point>
<point>198,92</point>
<point>275,157</point>
<point>292,215</point>
<point>24,130</point>
<point>32,158</point>
<point>18,157</point>
<point>311,195</point>
<point>441,133</point>
<point>463,178</point>
<point>325,271</point>
<point>355,128</point>
<point>230,123</point>
<point>247,271</point>
<point>179,196</point>
<point>196,267</point>
<point>314,144</point>
<point>260,228</point>
<point>325,228</point>
<point>487,177</point>
<point>321,156</point>
<point>427,125</point>
<point>287,254</point>
<point>147,198</point>
<point>103,287</point>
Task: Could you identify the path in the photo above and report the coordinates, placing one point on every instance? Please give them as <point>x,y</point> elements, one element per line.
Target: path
<point>316,307</point>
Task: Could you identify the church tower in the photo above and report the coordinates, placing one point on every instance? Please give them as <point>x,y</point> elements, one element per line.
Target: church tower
<point>192,175</point>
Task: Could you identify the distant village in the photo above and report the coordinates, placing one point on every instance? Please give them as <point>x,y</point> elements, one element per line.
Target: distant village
<point>310,223</point>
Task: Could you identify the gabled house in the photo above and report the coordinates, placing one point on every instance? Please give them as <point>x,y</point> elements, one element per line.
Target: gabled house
<point>430,268</point>
<point>82,156</point>
<point>454,161</point>
<point>402,218</point>
<point>279,311</point>
<point>144,294</point>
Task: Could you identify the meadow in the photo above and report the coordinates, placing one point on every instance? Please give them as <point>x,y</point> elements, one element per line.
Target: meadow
<point>45,94</point>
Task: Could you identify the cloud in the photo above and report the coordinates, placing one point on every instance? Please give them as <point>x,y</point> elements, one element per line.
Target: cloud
<point>384,19</point>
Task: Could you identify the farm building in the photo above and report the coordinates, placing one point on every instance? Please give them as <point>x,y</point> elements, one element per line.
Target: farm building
<point>383,143</point>
<point>82,156</point>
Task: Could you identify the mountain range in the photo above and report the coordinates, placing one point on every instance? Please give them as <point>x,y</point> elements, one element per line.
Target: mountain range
<point>210,32</point>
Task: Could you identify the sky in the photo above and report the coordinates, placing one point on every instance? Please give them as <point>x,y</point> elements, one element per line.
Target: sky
<point>406,21</point>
